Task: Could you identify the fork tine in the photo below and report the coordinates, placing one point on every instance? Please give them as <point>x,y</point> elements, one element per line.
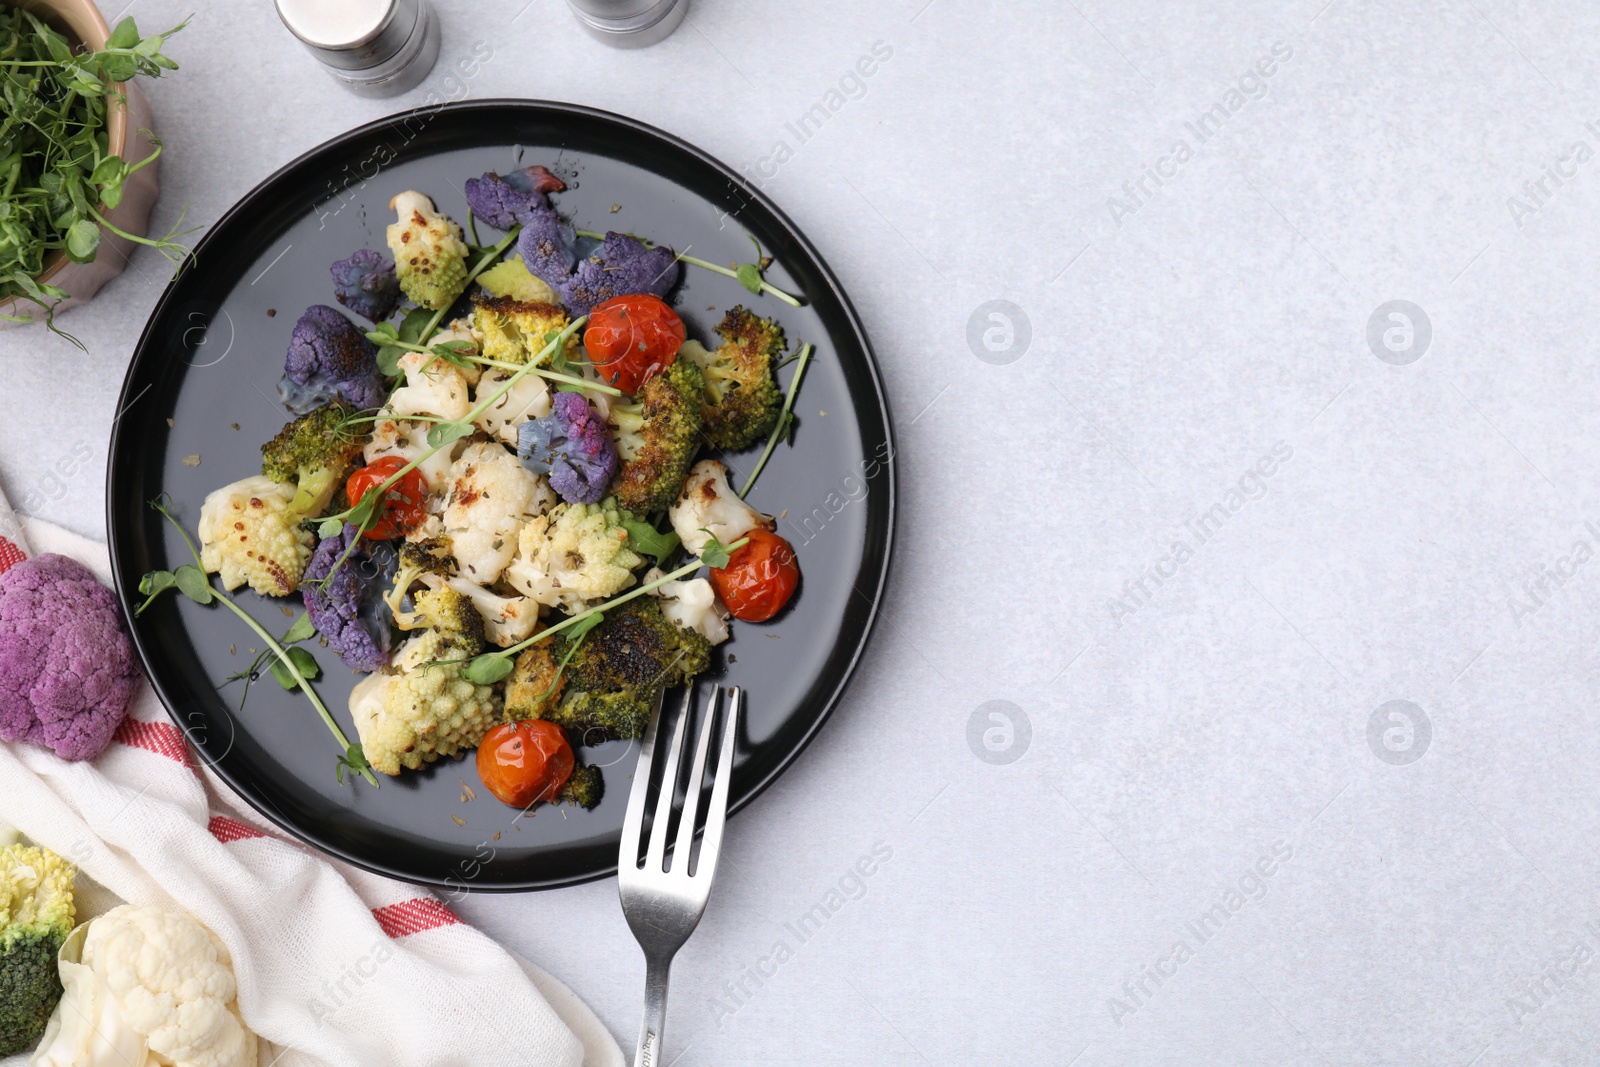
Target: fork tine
<point>717,814</point>
<point>654,859</point>
<point>633,820</point>
<point>691,802</point>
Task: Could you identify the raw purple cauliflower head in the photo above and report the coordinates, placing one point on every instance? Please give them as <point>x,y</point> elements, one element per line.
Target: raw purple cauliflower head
<point>349,611</point>
<point>330,357</point>
<point>623,266</point>
<point>514,199</point>
<point>67,669</point>
<point>573,447</point>
<point>366,284</point>
<point>548,247</point>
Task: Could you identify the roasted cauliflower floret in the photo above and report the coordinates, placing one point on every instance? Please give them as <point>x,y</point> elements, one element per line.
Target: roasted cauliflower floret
<point>709,507</point>
<point>408,439</point>
<point>513,331</point>
<point>691,605</point>
<point>575,554</point>
<point>528,398</point>
<point>440,389</point>
<point>251,535</point>
<point>426,709</point>
<point>491,496</point>
<point>429,254</point>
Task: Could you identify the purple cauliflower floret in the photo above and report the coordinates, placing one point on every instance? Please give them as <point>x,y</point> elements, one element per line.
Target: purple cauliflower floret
<point>366,284</point>
<point>572,446</point>
<point>548,247</point>
<point>350,611</point>
<point>623,266</point>
<point>511,200</point>
<point>330,358</point>
<point>67,669</point>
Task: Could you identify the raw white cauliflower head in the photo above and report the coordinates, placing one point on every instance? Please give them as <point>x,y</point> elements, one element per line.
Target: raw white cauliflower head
<point>172,982</point>
<point>249,535</point>
<point>491,496</point>
<point>708,503</point>
<point>528,399</point>
<point>691,605</point>
<point>440,389</point>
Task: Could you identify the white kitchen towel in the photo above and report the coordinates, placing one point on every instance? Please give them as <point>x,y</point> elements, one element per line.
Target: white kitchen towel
<point>335,966</point>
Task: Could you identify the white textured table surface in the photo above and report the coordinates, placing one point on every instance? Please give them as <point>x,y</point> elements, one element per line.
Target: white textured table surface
<point>1198,533</point>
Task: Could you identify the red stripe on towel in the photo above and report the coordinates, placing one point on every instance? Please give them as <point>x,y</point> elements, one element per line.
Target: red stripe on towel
<point>162,738</point>
<point>413,916</point>
<point>225,829</point>
<point>10,555</point>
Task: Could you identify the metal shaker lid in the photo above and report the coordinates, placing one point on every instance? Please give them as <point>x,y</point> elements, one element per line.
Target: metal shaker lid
<point>352,34</point>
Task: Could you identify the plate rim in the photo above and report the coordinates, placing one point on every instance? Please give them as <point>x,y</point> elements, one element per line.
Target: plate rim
<point>138,370</point>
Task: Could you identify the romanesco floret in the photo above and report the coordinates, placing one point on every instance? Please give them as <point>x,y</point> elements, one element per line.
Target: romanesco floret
<point>513,331</point>
<point>429,254</point>
<point>574,554</point>
<point>251,535</point>
<point>741,399</point>
<point>658,437</point>
<point>511,278</point>
<point>36,915</point>
<point>427,710</point>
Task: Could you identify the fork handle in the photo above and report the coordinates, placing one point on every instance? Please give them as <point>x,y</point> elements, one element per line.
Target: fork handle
<point>652,1028</point>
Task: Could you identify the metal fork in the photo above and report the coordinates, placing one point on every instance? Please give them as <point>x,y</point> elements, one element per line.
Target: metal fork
<point>663,906</point>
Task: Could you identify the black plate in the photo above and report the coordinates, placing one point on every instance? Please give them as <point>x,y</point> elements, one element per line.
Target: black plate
<point>208,363</point>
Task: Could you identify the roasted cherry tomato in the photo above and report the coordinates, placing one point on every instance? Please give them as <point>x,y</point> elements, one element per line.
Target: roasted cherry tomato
<point>631,339</point>
<point>759,578</point>
<point>402,507</point>
<point>523,763</point>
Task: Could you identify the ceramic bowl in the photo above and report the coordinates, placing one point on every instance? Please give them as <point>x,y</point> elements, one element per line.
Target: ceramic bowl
<point>82,22</point>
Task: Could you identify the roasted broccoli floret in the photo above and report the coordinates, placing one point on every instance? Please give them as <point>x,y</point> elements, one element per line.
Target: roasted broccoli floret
<point>658,436</point>
<point>417,558</point>
<point>573,447</point>
<point>330,358</point>
<point>36,915</point>
<point>574,554</point>
<point>429,254</point>
<point>249,534</point>
<point>742,398</point>
<point>316,452</point>
<point>586,788</point>
<point>622,266</point>
<point>427,710</point>
<point>350,610</point>
<point>514,199</point>
<point>534,687</point>
<point>366,284</point>
<point>613,678</point>
<point>513,331</point>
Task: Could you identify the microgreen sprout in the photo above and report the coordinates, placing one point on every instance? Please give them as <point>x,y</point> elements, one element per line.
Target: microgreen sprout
<point>192,581</point>
<point>784,428</point>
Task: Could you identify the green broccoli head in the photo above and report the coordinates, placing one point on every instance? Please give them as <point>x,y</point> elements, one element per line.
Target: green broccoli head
<point>612,680</point>
<point>317,452</point>
<point>36,915</point>
<point>585,788</point>
<point>741,398</point>
<point>658,437</point>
